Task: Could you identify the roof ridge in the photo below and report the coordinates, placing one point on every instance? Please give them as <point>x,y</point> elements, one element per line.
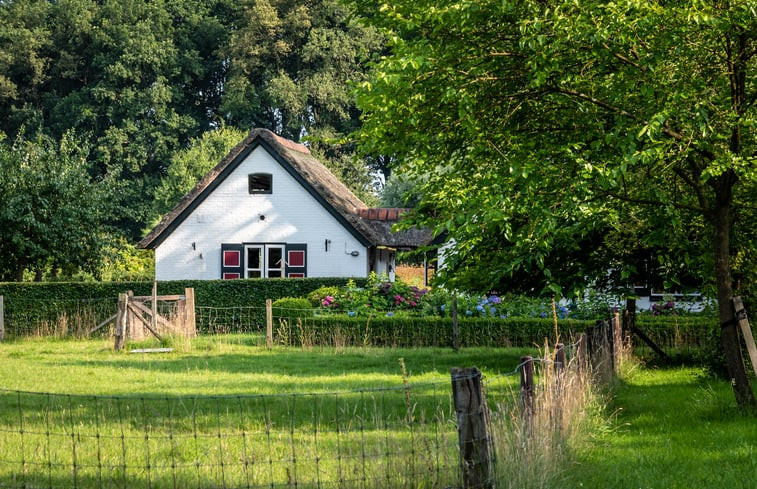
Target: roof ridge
<point>288,143</point>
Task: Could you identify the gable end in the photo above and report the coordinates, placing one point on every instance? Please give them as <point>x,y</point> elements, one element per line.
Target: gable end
<point>171,221</point>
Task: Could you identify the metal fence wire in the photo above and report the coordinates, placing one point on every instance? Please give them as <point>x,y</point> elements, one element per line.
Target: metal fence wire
<point>394,437</point>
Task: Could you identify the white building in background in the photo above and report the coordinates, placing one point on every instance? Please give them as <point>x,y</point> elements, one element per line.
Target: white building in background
<point>269,209</point>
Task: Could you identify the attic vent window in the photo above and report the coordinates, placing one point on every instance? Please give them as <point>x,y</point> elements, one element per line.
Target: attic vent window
<point>260,183</point>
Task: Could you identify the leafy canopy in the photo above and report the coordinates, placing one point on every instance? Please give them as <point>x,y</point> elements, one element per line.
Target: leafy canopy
<point>53,211</point>
<point>567,137</point>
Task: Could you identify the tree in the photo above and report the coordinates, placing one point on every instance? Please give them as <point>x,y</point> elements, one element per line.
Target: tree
<point>291,68</point>
<point>543,124</point>
<point>139,79</point>
<point>53,212</point>
<point>188,166</point>
<point>291,64</point>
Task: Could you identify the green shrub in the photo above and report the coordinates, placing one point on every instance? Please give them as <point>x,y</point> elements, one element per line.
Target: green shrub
<point>316,297</point>
<point>288,307</point>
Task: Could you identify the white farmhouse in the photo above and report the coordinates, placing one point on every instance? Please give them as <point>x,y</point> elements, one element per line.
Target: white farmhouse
<point>269,209</point>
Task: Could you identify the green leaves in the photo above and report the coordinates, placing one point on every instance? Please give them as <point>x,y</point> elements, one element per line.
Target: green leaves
<point>53,213</point>
<point>573,121</point>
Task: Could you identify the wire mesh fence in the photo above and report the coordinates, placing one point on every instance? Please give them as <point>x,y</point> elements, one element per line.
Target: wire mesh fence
<point>403,436</point>
<point>56,318</point>
<point>312,327</point>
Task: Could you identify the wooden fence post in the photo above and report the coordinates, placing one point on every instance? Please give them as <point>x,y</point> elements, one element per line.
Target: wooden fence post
<point>472,420</point>
<point>132,329</point>
<point>560,364</point>
<point>617,342</point>
<point>608,343</point>
<point>526,369</point>
<point>154,304</point>
<point>629,323</point>
<point>123,300</point>
<point>2,318</point>
<point>739,313</point>
<point>455,325</point>
<point>268,323</point>
<point>581,347</point>
<point>190,326</point>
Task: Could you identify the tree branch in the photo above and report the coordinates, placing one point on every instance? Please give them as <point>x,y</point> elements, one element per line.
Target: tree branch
<point>624,59</point>
<point>617,110</point>
<point>658,203</point>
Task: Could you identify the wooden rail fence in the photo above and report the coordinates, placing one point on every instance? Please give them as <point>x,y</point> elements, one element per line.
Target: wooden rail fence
<point>139,316</point>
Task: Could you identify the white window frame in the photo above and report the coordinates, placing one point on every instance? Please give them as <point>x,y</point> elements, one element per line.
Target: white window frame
<point>265,268</point>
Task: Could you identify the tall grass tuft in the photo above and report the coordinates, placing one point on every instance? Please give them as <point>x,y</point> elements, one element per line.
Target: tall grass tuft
<point>534,451</point>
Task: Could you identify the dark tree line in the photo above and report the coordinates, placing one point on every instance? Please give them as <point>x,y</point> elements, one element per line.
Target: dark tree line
<point>135,84</point>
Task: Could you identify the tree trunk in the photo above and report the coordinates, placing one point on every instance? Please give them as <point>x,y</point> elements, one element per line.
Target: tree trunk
<point>728,333</point>
<point>20,267</point>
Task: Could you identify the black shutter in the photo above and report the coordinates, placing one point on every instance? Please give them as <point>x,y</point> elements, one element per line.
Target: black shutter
<point>232,261</point>
<point>296,260</point>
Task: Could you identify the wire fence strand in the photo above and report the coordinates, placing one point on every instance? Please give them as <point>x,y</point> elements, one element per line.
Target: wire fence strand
<point>353,439</point>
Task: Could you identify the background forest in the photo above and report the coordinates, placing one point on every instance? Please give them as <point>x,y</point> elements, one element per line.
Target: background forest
<point>111,110</point>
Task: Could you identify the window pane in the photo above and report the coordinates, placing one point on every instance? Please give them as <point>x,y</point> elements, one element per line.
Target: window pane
<point>274,273</point>
<point>296,258</point>
<point>260,183</point>
<point>253,258</point>
<point>274,257</point>
<point>253,274</point>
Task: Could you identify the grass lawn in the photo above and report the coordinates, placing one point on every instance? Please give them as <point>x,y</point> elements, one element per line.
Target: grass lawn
<point>228,413</point>
<point>672,428</point>
<point>231,365</point>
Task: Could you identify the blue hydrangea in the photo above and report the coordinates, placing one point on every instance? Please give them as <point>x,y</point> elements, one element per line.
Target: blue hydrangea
<point>389,314</point>
<point>351,313</point>
<point>469,313</point>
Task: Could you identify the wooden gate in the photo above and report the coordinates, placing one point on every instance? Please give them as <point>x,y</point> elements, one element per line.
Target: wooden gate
<point>139,317</point>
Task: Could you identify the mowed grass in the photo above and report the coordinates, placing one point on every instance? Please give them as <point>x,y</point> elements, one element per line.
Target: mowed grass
<point>230,365</point>
<point>225,412</point>
<point>671,428</point>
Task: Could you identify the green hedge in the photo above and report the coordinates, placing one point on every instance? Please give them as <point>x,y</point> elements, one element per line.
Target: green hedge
<point>678,331</point>
<point>338,330</point>
<point>667,332</point>
<point>60,308</point>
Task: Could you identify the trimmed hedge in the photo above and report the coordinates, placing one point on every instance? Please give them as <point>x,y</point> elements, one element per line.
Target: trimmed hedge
<point>50,307</point>
<point>679,331</point>
<point>339,330</point>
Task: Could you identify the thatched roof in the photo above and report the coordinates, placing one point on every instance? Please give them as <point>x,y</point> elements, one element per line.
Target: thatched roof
<point>311,173</point>
<point>381,221</point>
